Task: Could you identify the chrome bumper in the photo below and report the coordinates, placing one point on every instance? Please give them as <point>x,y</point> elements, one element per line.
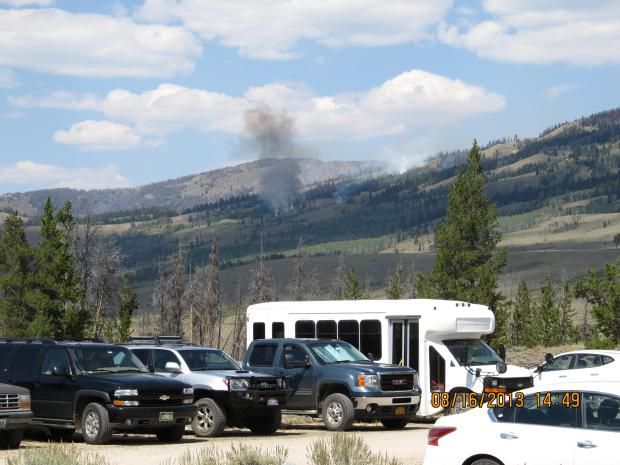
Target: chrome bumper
<point>363,402</point>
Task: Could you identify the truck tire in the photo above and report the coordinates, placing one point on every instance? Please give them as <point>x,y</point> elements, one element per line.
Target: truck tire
<point>338,412</point>
<point>210,419</point>
<point>266,424</point>
<point>95,423</point>
<point>61,434</point>
<point>394,423</point>
<point>11,439</point>
<point>171,434</point>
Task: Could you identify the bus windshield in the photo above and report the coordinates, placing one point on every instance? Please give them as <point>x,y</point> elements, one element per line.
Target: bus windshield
<point>472,352</point>
<point>337,352</point>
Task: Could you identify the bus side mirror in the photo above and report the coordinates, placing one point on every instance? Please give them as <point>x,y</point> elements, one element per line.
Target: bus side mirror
<point>502,352</point>
<point>463,356</point>
<point>549,358</point>
<point>501,367</point>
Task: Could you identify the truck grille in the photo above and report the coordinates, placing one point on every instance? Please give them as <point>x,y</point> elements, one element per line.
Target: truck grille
<point>9,401</point>
<point>397,382</point>
<point>155,398</point>
<point>264,384</point>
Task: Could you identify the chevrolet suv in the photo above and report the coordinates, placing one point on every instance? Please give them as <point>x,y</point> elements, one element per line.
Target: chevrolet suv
<point>15,414</point>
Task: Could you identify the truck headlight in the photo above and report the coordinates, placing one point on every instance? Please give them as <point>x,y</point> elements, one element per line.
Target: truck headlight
<point>416,380</point>
<point>25,402</point>
<point>238,384</point>
<point>188,391</point>
<point>368,381</point>
<point>125,392</point>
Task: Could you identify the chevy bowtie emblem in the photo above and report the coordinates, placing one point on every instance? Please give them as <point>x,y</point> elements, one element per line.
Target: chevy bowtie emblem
<point>164,397</point>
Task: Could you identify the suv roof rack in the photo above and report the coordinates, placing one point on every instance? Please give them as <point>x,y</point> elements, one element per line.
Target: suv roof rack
<point>44,340</point>
<point>157,340</point>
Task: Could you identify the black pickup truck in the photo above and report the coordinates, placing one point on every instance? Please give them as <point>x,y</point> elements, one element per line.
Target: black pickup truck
<point>333,379</point>
<point>97,388</point>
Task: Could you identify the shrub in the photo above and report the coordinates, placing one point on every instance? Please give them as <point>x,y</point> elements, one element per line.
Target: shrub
<point>237,455</point>
<point>56,454</point>
<point>600,344</point>
<point>345,449</point>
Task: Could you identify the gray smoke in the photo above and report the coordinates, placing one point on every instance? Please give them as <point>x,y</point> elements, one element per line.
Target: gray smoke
<point>272,136</point>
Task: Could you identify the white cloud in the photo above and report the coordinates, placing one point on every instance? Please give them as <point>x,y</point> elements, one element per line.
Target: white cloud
<point>534,31</point>
<point>61,99</point>
<point>80,44</point>
<point>553,92</point>
<point>271,29</point>
<point>8,79</point>
<point>32,173</point>
<point>21,3</point>
<point>99,135</point>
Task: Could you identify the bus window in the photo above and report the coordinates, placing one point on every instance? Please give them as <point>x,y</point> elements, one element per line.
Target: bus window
<point>437,369</point>
<point>277,329</point>
<point>258,331</point>
<point>326,329</point>
<point>349,331</point>
<point>305,329</point>
<point>370,338</point>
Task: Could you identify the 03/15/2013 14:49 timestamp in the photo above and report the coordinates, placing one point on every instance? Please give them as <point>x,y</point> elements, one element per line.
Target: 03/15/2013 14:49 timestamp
<point>470,400</point>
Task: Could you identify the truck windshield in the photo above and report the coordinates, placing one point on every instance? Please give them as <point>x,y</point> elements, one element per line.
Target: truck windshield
<point>208,359</point>
<point>94,359</point>
<point>337,352</point>
<point>472,351</point>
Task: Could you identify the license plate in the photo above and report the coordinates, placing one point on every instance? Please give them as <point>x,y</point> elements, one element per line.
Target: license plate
<point>166,416</point>
<point>3,423</point>
<point>273,402</point>
<point>400,411</point>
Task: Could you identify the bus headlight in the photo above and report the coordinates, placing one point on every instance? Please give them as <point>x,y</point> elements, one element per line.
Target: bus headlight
<point>368,381</point>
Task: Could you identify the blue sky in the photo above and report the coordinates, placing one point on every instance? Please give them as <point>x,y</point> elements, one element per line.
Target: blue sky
<point>121,93</point>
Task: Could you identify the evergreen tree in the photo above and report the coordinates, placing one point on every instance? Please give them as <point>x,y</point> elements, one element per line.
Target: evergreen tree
<point>16,256</point>
<point>524,328</point>
<point>568,332</point>
<point>128,305</point>
<point>548,315</point>
<point>468,262</point>
<point>395,288</point>
<point>214,297</point>
<point>352,289</point>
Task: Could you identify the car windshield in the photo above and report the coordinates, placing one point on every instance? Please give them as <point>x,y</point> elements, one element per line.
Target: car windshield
<point>111,359</point>
<point>472,352</point>
<point>208,359</point>
<point>337,352</point>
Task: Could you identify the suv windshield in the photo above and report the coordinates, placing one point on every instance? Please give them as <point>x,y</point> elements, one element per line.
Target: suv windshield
<point>107,360</point>
<point>208,359</point>
<point>336,352</point>
<point>474,351</point>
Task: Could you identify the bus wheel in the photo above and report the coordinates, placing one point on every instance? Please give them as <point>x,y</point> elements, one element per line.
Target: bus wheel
<point>458,406</point>
<point>394,423</point>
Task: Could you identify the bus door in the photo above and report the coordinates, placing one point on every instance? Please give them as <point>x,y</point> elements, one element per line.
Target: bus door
<point>405,342</point>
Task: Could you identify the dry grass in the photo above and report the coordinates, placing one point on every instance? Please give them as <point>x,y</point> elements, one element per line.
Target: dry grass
<point>525,356</point>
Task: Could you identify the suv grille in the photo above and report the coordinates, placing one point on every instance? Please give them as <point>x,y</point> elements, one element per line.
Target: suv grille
<point>397,382</point>
<point>265,384</point>
<point>155,398</point>
<point>9,401</point>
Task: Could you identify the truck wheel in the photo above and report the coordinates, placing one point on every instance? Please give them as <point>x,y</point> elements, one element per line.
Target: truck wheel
<point>338,412</point>
<point>11,439</point>
<point>96,428</point>
<point>395,423</point>
<point>171,434</point>
<point>210,419</point>
<point>61,434</point>
<point>267,424</point>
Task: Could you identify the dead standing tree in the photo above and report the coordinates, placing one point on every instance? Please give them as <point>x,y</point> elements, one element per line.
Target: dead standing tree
<point>214,314</point>
<point>304,285</point>
<point>169,296</point>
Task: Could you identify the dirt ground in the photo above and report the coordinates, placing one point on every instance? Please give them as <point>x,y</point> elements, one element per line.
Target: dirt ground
<point>408,445</point>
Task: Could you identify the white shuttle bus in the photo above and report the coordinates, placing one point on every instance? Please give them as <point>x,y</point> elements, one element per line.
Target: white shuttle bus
<point>440,339</point>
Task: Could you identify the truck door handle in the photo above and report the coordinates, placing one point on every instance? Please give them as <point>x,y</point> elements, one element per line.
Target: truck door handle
<point>593,374</point>
<point>508,436</point>
<point>562,376</point>
<point>586,445</point>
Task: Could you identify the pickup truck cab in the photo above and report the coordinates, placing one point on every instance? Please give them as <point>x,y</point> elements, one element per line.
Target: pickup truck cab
<point>224,394</point>
<point>15,415</point>
<point>96,388</point>
<point>336,381</point>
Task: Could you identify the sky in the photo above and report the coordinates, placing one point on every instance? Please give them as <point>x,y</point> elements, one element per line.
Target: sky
<point>103,94</point>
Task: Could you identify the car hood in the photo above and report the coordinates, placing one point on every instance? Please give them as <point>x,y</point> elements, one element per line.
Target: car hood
<point>139,381</point>
<point>232,374</point>
<point>10,389</point>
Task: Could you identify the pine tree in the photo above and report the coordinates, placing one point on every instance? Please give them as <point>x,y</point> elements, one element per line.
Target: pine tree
<point>395,287</point>
<point>352,289</point>
<point>468,262</point>
<point>214,297</point>
<point>524,327</point>
<point>261,285</point>
<point>567,331</point>
<point>128,305</point>
<point>548,315</point>
<point>339,282</point>
<point>16,261</point>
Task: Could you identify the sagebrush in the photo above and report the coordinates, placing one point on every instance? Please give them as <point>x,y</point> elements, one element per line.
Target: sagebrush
<point>346,449</point>
<point>56,454</point>
<point>237,455</point>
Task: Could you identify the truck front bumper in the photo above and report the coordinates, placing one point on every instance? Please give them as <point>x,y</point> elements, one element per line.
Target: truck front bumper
<point>380,407</point>
<point>150,418</point>
<point>15,419</point>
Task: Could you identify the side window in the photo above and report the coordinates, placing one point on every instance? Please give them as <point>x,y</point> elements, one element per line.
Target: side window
<point>258,331</point>
<point>161,357</point>
<point>370,338</point>
<point>326,329</point>
<point>263,355</point>
<point>536,411</point>
<point>564,362</point>
<point>277,329</point>
<point>5,351</point>
<point>292,353</point>
<point>588,361</point>
<point>54,358</point>
<point>438,370</point>
<point>602,412</point>
<point>142,354</point>
<point>505,414</point>
<point>606,359</point>
<point>25,359</point>
<point>304,329</point>
<point>349,331</point>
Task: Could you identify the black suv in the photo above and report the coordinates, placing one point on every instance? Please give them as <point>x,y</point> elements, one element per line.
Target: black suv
<point>97,388</point>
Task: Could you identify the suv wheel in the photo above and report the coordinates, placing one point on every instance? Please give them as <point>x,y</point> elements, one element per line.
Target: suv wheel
<point>171,434</point>
<point>338,412</point>
<point>61,434</point>
<point>394,423</point>
<point>210,419</point>
<point>96,428</point>
<point>11,439</point>
<point>266,424</point>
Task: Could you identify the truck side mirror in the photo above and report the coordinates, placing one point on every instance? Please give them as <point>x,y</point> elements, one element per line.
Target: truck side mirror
<point>371,357</point>
<point>549,358</point>
<point>172,367</point>
<point>151,368</point>
<point>60,371</point>
<point>307,362</point>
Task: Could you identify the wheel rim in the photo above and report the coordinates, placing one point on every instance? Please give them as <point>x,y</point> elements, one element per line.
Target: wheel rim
<point>205,418</point>
<point>334,412</point>
<point>91,424</point>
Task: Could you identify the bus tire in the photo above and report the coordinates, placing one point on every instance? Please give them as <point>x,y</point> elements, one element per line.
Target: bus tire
<point>338,412</point>
<point>459,405</point>
<point>394,423</point>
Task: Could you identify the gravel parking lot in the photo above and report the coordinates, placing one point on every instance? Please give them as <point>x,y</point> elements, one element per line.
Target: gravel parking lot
<point>408,444</point>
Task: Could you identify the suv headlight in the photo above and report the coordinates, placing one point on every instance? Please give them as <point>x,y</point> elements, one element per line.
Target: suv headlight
<point>25,402</point>
<point>238,384</point>
<point>368,381</point>
<point>125,392</point>
<point>188,391</point>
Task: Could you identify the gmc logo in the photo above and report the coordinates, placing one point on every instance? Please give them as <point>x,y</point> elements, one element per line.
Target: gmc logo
<point>399,382</point>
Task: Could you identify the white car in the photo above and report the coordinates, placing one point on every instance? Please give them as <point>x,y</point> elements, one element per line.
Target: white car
<point>568,424</point>
<point>580,365</point>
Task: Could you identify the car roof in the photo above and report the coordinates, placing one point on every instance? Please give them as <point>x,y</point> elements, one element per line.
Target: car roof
<point>169,347</point>
<point>293,339</point>
<point>590,352</point>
